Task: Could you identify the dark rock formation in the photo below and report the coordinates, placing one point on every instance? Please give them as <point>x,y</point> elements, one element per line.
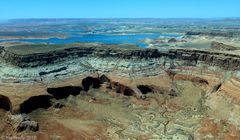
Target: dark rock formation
<point>5,103</point>
<point>90,82</point>
<point>191,57</point>
<point>212,58</point>
<point>53,71</point>
<point>120,88</point>
<point>2,49</point>
<point>145,89</point>
<point>64,92</point>
<point>39,59</point>
<point>35,102</point>
<point>22,122</point>
<point>200,80</point>
<point>221,34</point>
<point>28,126</point>
<point>172,40</point>
<point>104,79</point>
<point>216,88</point>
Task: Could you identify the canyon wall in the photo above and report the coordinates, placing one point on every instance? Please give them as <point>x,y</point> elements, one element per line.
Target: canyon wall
<point>191,56</point>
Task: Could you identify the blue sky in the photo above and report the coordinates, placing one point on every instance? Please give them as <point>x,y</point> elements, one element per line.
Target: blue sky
<point>10,9</point>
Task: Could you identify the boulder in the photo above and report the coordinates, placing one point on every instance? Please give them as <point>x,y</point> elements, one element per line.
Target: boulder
<point>22,122</point>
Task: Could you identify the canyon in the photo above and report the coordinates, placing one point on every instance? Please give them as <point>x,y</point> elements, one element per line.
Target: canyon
<point>100,91</point>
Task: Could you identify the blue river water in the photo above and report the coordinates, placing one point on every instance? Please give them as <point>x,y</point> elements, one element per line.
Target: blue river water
<point>101,38</point>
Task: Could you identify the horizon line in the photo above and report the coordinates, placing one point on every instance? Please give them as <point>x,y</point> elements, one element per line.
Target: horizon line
<point>127,18</point>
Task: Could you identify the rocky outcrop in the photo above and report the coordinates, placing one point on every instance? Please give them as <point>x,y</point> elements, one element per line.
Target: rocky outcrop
<point>104,79</point>
<point>186,56</point>
<point>97,82</point>
<point>124,62</point>
<point>172,40</point>
<point>87,83</point>
<point>191,78</point>
<point>1,49</point>
<point>53,71</point>
<point>5,103</point>
<point>216,88</point>
<point>213,58</point>
<point>22,122</point>
<point>122,89</point>
<point>223,47</point>
<point>39,59</point>
<point>90,82</point>
<point>64,92</point>
<point>35,102</point>
<point>145,89</point>
<point>221,34</point>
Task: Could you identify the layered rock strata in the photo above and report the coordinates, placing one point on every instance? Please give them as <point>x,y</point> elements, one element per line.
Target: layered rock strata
<point>182,81</point>
<point>194,56</point>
